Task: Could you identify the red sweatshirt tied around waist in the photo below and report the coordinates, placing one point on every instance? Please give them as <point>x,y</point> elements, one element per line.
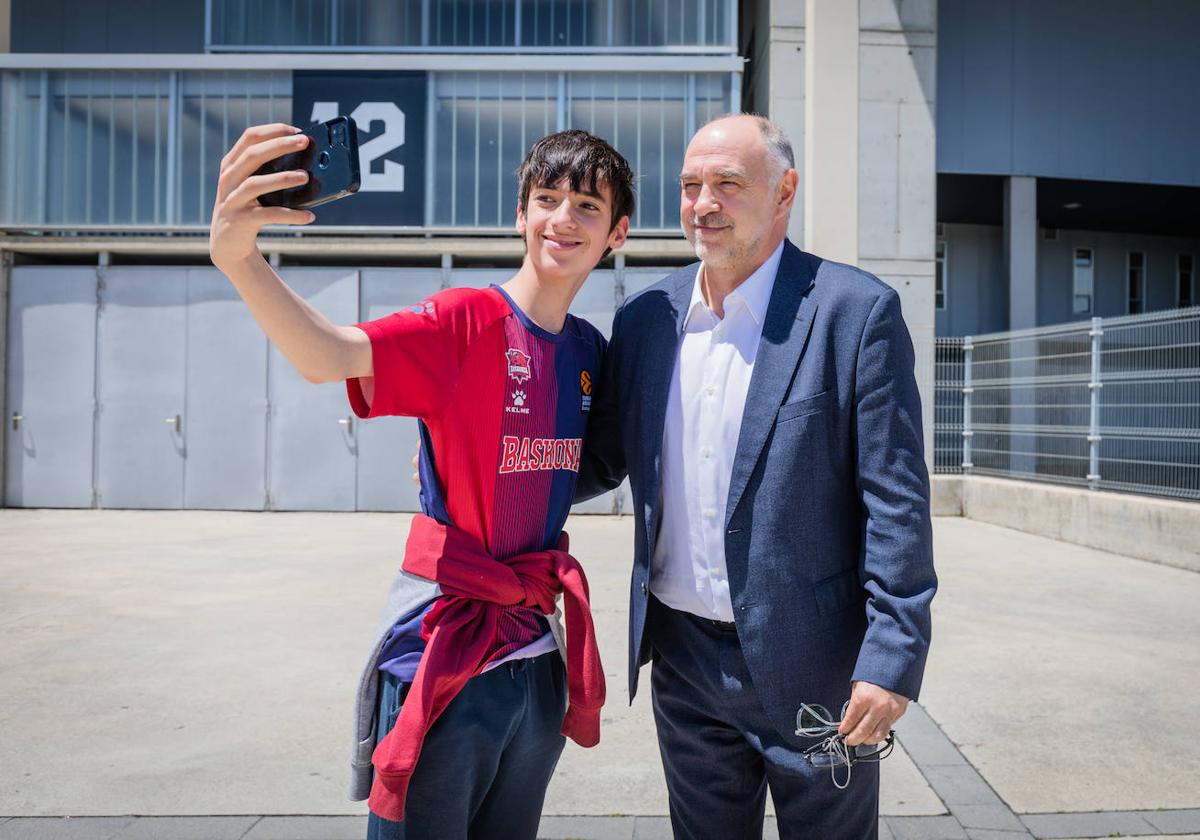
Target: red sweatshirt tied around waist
<point>462,635</point>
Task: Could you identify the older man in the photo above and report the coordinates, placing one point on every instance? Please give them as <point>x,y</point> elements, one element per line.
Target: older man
<point>763,404</point>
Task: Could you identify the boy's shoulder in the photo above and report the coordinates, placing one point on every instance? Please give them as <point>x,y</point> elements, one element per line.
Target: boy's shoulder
<point>465,313</point>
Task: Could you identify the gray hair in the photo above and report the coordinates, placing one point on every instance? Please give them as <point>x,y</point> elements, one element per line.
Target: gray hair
<point>778,146</point>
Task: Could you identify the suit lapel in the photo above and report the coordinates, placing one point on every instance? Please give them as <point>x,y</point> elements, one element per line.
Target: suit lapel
<point>786,328</point>
<point>657,365</point>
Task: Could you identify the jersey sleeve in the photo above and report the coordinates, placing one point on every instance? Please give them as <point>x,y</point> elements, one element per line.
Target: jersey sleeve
<point>415,355</point>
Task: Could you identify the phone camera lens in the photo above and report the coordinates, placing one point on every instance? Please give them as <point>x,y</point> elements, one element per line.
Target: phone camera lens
<point>323,160</point>
<point>339,134</point>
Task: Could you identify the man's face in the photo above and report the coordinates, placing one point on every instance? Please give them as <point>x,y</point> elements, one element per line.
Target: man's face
<point>729,197</point>
<point>566,233</point>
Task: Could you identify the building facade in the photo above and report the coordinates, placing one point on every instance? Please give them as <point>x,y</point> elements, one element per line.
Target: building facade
<point>134,377</point>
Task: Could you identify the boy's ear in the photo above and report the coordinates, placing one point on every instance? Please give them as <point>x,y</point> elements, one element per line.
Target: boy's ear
<point>619,234</point>
<point>521,226</point>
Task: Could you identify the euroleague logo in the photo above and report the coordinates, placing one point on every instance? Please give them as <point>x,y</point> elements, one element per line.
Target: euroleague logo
<point>585,391</point>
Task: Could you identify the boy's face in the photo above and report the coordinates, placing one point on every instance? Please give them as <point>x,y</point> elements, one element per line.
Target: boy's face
<point>566,233</point>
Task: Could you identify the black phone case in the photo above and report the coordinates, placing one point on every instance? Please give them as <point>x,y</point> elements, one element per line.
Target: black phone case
<point>331,159</point>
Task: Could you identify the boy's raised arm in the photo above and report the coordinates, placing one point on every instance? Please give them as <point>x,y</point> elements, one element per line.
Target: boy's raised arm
<point>320,350</point>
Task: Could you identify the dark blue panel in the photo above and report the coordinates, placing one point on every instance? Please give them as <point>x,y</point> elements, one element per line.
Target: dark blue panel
<point>1085,89</point>
<point>37,26</point>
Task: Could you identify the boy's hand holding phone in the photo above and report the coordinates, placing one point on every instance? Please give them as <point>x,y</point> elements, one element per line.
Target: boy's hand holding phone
<point>237,215</point>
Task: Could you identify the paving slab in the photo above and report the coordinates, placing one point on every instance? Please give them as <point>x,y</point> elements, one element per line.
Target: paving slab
<point>1095,824</point>
<point>64,828</point>
<point>926,828</point>
<point>308,828</point>
<point>995,834</point>
<point>586,828</point>
<point>1062,672</point>
<point>187,828</point>
<point>1174,822</point>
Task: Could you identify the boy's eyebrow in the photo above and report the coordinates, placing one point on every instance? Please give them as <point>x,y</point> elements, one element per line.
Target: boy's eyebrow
<point>588,193</point>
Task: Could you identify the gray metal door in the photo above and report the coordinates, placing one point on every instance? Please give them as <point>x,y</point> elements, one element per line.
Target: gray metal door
<point>386,445</point>
<point>312,433</point>
<point>140,367</point>
<point>596,303</point>
<point>226,418</point>
<point>51,396</point>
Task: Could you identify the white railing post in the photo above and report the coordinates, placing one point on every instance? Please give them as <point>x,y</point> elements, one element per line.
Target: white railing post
<point>967,391</point>
<point>1094,386</point>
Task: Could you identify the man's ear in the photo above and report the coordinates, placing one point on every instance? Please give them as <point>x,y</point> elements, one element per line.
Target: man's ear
<point>788,185</point>
<point>619,234</point>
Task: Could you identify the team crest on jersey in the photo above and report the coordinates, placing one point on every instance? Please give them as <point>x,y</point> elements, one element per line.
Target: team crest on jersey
<point>519,365</point>
<point>585,391</point>
<point>425,307</point>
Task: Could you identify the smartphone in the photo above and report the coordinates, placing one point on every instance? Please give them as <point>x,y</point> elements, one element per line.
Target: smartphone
<point>331,159</point>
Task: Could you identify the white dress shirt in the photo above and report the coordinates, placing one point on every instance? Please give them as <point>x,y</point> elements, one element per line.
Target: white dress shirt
<point>705,403</point>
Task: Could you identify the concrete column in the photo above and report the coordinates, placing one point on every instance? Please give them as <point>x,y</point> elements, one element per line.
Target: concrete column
<point>775,81</point>
<point>831,129</point>
<point>1020,250</point>
<point>5,269</point>
<point>1020,263</point>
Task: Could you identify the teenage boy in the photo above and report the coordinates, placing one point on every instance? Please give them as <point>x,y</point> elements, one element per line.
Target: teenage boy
<point>464,702</point>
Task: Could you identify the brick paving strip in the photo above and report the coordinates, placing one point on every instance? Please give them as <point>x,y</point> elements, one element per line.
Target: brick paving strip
<point>976,812</point>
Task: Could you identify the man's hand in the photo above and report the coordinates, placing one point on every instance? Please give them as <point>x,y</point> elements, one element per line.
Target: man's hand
<point>237,216</point>
<point>872,712</point>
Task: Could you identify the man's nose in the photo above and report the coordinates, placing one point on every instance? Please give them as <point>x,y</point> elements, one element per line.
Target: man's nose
<point>706,202</point>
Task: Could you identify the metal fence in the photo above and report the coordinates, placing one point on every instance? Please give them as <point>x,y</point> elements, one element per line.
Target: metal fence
<point>696,26</point>
<point>103,148</point>
<point>947,405</point>
<point>1110,404</point>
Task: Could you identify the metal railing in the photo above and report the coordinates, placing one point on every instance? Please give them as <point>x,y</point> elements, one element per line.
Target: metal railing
<point>1110,404</point>
<point>947,405</point>
<point>85,149</point>
<point>620,26</point>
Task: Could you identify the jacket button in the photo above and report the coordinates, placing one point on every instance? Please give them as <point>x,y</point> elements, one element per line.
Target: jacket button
<point>644,587</point>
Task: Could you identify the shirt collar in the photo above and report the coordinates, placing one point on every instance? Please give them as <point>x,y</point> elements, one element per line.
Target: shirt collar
<point>754,292</point>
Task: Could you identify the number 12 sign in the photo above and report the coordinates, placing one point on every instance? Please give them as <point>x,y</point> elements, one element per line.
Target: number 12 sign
<point>389,108</point>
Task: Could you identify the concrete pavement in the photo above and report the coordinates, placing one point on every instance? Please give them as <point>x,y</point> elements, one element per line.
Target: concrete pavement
<point>172,664</point>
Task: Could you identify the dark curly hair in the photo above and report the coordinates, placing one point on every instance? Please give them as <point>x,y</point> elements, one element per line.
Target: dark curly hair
<point>585,161</point>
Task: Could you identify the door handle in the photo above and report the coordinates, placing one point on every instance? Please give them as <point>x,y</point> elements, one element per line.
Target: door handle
<point>16,420</point>
<point>177,422</point>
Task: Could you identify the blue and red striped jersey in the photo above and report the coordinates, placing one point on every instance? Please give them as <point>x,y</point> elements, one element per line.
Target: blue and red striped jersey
<point>503,405</point>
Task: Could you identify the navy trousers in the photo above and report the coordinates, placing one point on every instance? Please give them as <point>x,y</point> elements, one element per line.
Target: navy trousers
<point>720,753</point>
<point>487,760</point>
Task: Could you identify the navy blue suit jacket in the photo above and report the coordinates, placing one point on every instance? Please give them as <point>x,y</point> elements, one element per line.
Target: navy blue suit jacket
<point>828,543</point>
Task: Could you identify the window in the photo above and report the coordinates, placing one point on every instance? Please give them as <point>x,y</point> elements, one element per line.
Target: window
<point>1185,297</point>
<point>1136,273</point>
<point>1083,281</point>
<point>939,277</point>
<point>352,25</point>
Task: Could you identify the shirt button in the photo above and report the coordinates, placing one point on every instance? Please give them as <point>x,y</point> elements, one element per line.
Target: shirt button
<point>710,390</point>
<point>706,452</point>
<point>710,513</point>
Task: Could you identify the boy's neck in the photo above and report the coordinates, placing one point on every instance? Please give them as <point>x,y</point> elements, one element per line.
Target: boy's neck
<point>544,301</point>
